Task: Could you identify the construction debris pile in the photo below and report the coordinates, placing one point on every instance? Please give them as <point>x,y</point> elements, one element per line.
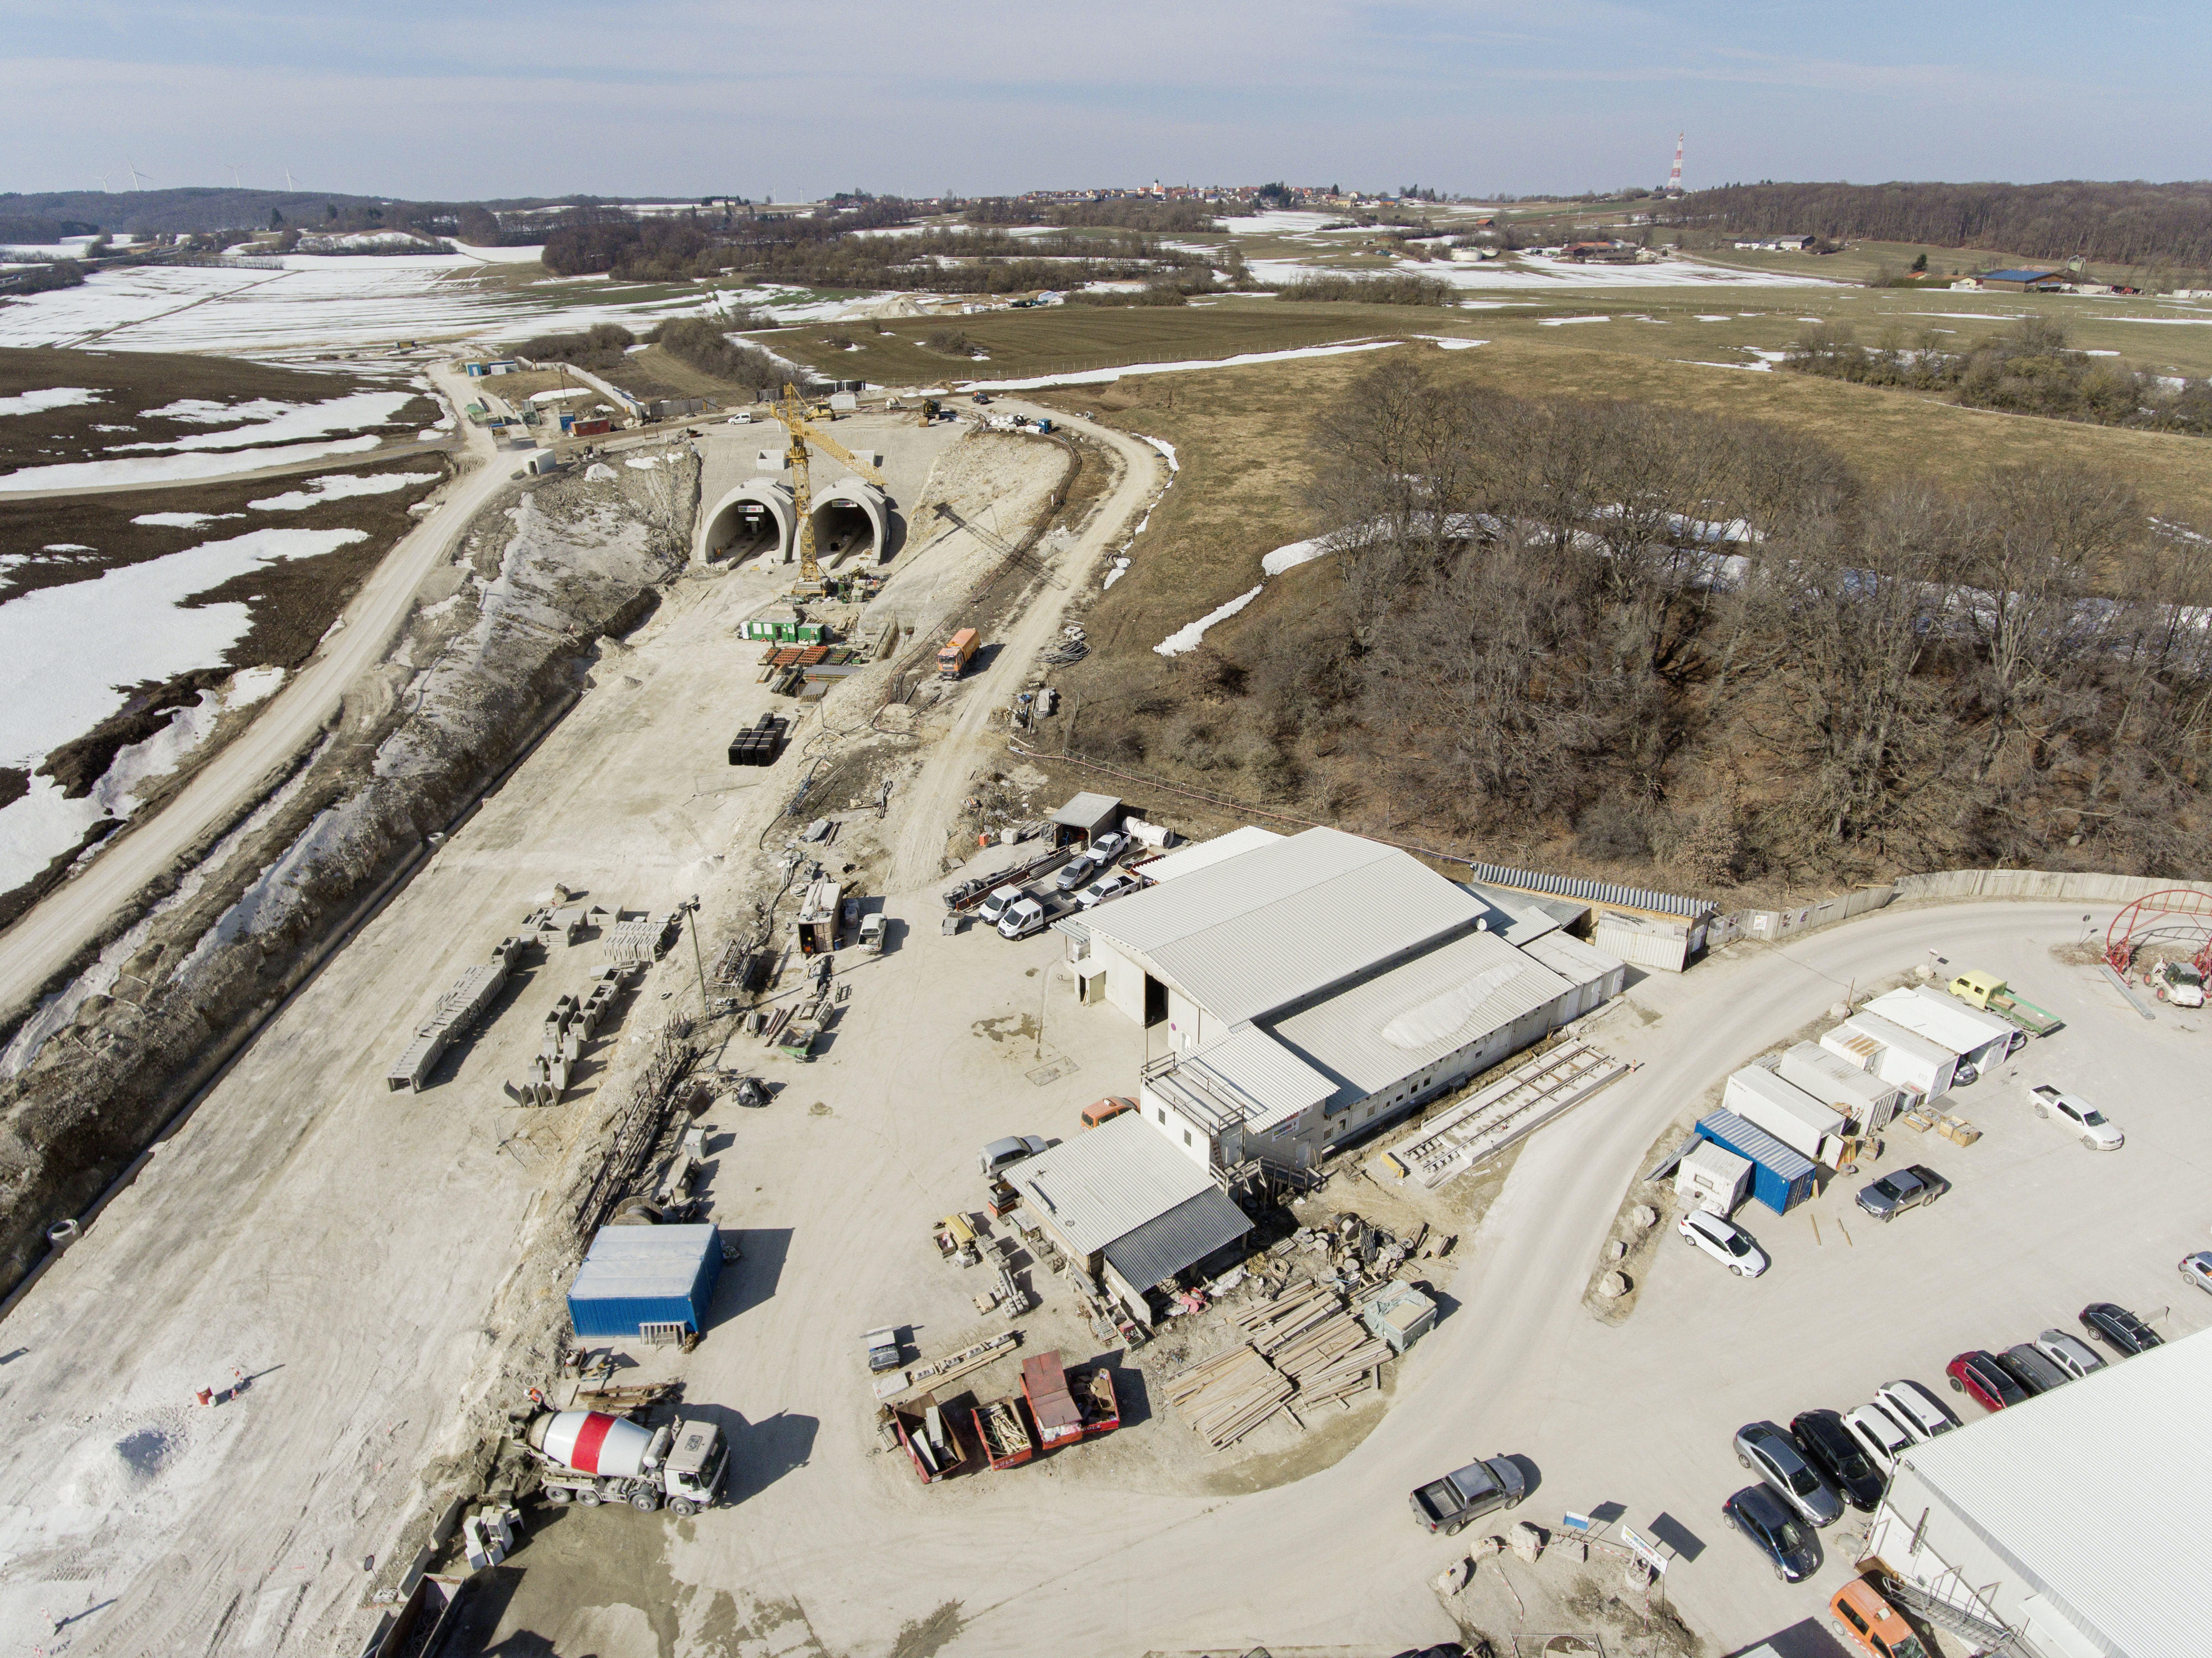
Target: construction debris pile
<point>1304,1348</point>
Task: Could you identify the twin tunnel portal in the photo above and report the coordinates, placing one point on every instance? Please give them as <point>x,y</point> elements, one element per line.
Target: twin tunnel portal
<point>852,520</point>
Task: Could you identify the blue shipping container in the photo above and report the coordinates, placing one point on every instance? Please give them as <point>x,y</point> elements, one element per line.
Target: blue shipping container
<point>638,1275</point>
<point>1780,1178</point>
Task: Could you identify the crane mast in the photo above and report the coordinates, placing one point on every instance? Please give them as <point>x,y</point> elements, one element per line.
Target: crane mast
<point>792,412</point>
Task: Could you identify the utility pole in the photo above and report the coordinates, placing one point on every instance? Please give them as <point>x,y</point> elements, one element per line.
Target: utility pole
<point>698,957</point>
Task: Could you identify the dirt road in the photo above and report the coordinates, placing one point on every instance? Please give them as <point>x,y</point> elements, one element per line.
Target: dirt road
<point>71,917</point>
<point>931,803</point>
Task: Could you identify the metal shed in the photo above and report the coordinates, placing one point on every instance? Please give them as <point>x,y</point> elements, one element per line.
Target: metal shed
<point>640,1281</point>
<point>1780,1178</point>
<point>1087,816</point>
<point>1180,1238</point>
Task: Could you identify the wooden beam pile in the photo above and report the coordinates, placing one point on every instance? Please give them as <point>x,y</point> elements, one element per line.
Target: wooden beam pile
<point>1226,1396</point>
<point>1303,1349</point>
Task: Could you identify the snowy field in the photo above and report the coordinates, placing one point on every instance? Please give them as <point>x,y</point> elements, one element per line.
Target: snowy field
<point>1526,273</point>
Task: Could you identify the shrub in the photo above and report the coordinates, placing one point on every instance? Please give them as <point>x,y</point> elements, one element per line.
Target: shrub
<point>1400,289</point>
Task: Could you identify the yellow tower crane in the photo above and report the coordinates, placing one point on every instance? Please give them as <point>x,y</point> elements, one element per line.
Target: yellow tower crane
<point>793,413</point>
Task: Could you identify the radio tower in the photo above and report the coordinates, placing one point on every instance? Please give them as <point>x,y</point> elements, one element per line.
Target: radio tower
<point>1675,178</point>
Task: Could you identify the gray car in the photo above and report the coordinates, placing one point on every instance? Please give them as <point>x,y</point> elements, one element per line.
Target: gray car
<point>1770,1453</point>
<point>1002,1155</point>
<point>2069,1353</point>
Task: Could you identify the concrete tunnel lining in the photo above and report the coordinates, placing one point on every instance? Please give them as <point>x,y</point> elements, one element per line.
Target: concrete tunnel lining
<point>850,496</point>
<point>719,529</point>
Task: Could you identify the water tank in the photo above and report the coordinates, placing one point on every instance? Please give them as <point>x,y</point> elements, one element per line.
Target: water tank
<point>591,1441</point>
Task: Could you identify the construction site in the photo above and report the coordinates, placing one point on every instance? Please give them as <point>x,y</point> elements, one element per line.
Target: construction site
<point>671,1120</point>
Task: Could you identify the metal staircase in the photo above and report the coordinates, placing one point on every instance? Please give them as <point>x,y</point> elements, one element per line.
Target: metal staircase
<point>1990,1638</point>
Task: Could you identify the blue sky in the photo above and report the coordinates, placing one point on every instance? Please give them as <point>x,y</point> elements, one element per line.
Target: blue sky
<point>470,98</point>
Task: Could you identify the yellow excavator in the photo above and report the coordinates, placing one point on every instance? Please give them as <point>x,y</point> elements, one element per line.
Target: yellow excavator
<point>792,412</point>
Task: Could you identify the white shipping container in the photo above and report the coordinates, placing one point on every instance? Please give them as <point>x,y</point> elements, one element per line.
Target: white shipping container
<point>1640,942</point>
<point>1791,1116</point>
<point>1897,1055</point>
<point>1836,1081</point>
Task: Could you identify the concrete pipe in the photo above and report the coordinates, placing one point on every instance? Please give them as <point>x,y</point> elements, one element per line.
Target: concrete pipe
<point>851,519</point>
<point>754,519</point>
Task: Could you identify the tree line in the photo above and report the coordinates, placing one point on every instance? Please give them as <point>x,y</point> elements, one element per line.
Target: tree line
<point>2026,369</point>
<point>1665,639</point>
<point>2126,224</point>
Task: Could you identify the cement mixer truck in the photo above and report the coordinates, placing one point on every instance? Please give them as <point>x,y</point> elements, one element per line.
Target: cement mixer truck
<point>590,1457</point>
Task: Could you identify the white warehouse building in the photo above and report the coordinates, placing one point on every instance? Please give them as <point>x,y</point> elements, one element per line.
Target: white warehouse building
<point>1312,988</point>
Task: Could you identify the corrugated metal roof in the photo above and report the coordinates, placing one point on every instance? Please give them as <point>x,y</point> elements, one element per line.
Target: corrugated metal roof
<point>1106,1183</point>
<point>1251,1068</point>
<point>2097,1489</point>
<point>1256,932</point>
<point>1890,1034</point>
<point>1517,917</point>
<point>637,1263</point>
<point>1788,1098</point>
<point>1577,963</point>
<point>1461,991</point>
<point>1182,1238</point>
<point>1717,1160</point>
<point>1087,811</point>
<point>1755,1142</point>
<point>1188,860</point>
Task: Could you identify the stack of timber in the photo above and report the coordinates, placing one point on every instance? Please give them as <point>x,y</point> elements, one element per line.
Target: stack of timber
<point>1226,1396</point>
<point>1303,1349</point>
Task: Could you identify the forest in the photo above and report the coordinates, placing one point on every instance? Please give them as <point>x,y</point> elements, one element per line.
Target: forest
<point>2131,224</point>
<point>1653,642</point>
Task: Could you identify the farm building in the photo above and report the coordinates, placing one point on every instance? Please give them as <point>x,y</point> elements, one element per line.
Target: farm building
<point>2023,282</point>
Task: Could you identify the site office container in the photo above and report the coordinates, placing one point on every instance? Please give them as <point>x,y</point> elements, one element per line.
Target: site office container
<point>1783,1110</point>
<point>1834,1081</point>
<point>637,1276</point>
<point>1898,1056</point>
<point>1780,1178</point>
<point>1981,1039</point>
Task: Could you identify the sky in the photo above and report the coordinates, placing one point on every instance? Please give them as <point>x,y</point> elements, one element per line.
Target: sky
<point>474,98</point>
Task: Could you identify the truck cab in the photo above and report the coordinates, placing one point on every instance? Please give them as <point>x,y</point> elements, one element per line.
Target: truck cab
<point>1466,1494</point>
<point>995,906</point>
<point>696,1462</point>
<point>1021,919</point>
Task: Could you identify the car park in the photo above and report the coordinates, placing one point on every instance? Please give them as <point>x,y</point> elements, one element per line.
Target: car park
<point>2032,1368</point>
<point>1116,883</point>
<point>1002,1155</point>
<point>1724,1241</point>
<point>1787,1542</point>
<point>1907,1188</point>
<point>1775,1458</point>
<point>2197,1269</point>
<point>1982,1378</point>
<point>2119,1328</point>
<point>996,905</point>
<point>1021,919</point>
<point>1829,1445</point>
<point>1916,1409</point>
<point>1870,1623</point>
<point>1075,872</point>
<point>2069,1353</point>
<point>1877,1430</point>
<point>2090,1125</point>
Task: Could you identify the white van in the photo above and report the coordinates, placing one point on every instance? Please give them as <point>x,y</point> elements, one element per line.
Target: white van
<point>1021,919</point>
<point>995,906</point>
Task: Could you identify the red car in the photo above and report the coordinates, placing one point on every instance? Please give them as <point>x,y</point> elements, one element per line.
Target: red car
<point>1983,1379</point>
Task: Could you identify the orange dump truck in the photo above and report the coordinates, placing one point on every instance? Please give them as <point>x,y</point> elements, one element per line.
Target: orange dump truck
<point>953,658</point>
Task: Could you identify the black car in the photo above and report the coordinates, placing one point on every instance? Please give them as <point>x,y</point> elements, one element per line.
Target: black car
<point>2119,1328</point>
<point>1828,1446</point>
<point>1908,1188</point>
<point>1780,1535</point>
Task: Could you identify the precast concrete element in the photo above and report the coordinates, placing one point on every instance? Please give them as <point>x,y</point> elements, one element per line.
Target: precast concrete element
<point>851,517</point>
<point>755,517</point>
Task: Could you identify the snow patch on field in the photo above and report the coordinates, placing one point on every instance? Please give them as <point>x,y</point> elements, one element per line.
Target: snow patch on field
<point>45,822</point>
<point>157,468</point>
<point>65,650</point>
<point>1108,376</point>
<point>333,486</point>
<point>1450,342</point>
<point>47,397</point>
<point>283,422</point>
<point>181,520</point>
<point>1168,451</point>
<point>1562,322</point>
<point>1188,637</point>
<point>1290,557</point>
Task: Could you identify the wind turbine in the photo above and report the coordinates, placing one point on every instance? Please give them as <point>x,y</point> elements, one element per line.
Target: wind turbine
<point>288,179</point>
<point>102,177</point>
<point>234,184</point>
<point>133,166</point>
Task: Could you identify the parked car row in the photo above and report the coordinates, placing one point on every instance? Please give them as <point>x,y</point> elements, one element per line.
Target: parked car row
<point>1827,1460</point>
<point>1088,876</point>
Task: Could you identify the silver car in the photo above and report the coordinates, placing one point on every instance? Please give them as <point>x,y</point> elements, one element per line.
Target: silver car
<point>1769,1453</point>
<point>2069,1353</point>
<point>1877,1429</point>
<point>1916,1410</point>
